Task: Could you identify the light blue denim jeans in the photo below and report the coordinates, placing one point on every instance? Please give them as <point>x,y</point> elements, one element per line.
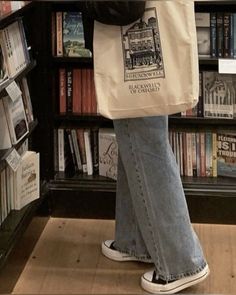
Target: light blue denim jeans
<point>152,219</point>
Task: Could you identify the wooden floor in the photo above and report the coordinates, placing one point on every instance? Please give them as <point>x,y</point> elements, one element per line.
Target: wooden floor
<point>67,260</point>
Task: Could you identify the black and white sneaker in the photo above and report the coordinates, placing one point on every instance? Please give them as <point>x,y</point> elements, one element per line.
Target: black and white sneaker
<point>151,283</point>
<point>110,252</point>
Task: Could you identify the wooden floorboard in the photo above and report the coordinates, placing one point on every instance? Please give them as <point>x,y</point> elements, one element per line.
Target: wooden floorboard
<point>67,260</point>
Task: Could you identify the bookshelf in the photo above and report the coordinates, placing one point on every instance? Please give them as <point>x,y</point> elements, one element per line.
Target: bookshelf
<point>210,199</point>
<point>15,222</point>
<point>81,188</point>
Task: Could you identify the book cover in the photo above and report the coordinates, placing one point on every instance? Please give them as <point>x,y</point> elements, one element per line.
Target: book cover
<point>108,153</point>
<point>203,33</point>
<point>218,95</point>
<point>16,118</point>
<point>27,180</point>
<point>226,154</point>
<point>73,35</point>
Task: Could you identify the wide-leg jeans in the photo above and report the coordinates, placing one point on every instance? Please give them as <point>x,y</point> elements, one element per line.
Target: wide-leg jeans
<point>152,218</point>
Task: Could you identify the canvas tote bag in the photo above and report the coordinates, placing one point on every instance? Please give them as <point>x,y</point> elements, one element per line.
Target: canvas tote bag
<point>149,67</point>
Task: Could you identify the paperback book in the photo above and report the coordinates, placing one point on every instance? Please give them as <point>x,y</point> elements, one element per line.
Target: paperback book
<point>16,118</point>
<point>108,153</point>
<point>226,154</point>
<point>73,35</point>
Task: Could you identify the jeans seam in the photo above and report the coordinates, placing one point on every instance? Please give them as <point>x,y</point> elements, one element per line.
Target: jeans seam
<point>141,191</point>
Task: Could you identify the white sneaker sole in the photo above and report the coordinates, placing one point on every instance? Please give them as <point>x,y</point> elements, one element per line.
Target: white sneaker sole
<point>176,286</point>
<point>119,256</point>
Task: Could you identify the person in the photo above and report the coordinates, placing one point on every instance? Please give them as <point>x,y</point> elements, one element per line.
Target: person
<point>152,218</point>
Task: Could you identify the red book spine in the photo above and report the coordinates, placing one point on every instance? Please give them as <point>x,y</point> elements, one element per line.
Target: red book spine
<point>93,94</point>
<point>62,91</point>
<point>77,92</point>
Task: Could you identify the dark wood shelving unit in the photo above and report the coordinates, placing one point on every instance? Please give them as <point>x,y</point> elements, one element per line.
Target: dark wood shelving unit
<point>17,221</point>
<point>94,191</point>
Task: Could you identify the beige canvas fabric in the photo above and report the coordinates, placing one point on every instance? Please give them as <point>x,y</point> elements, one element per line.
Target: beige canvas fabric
<point>150,67</point>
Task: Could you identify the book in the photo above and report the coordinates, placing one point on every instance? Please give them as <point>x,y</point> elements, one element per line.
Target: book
<point>14,47</point>
<point>16,118</point>
<point>88,151</point>
<point>5,142</point>
<point>218,95</point>
<point>226,153</point>
<point>62,91</point>
<point>203,27</point>
<point>73,35</point>
<point>3,68</point>
<point>26,180</point>
<point>23,84</point>
<point>108,153</point>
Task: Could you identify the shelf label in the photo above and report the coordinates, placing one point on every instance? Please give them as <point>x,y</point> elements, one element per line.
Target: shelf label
<point>227,66</point>
<point>13,160</point>
<point>13,91</point>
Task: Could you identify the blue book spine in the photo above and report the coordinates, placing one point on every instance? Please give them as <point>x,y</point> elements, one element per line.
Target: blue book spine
<point>213,34</point>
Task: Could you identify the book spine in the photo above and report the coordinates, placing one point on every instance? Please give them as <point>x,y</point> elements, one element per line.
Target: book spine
<point>202,155</point>
<point>87,142</point>
<point>213,34</point>
<point>208,154</point>
<point>226,34</point>
<point>76,149</point>
<point>234,34</point>
<point>69,90</point>
<point>214,154</point>
<point>59,33</point>
<point>62,91</point>
<point>220,34</point>
<point>77,85</point>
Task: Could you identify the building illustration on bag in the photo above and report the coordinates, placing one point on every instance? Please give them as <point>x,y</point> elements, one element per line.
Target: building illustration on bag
<point>142,50</point>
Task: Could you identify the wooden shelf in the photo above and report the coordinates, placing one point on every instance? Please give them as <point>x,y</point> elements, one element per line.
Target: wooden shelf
<point>87,61</point>
<point>207,186</point>
<point>200,121</point>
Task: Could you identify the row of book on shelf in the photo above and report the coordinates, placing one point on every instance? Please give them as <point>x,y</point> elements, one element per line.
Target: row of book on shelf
<point>77,91</point>
<point>217,96</point>
<point>7,7</point>
<point>20,187</point>
<point>216,33</point>
<point>95,151</point>
<point>14,53</point>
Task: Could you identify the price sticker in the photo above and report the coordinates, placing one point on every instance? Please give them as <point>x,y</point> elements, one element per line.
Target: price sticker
<point>13,160</point>
<point>227,66</point>
<point>13,91</point>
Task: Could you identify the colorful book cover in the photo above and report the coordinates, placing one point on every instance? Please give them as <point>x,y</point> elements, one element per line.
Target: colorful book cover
<point>226,154</point>
<point>73,35</point>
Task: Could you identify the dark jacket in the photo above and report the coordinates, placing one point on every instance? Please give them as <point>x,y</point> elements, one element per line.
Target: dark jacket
<point>109,12</point>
